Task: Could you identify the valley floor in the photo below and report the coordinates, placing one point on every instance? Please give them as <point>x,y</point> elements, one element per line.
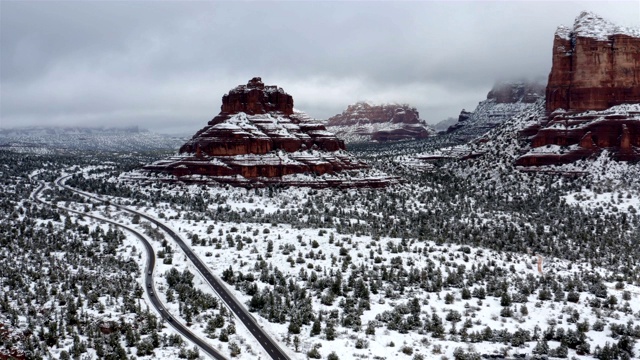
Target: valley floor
<point>438,266</point>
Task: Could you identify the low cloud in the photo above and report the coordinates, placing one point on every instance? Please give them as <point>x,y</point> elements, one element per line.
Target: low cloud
<point>165,66</point>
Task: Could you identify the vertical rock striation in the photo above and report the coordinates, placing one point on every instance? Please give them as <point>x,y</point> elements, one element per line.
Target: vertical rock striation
<point>592,97</point>
<point>596,65</point>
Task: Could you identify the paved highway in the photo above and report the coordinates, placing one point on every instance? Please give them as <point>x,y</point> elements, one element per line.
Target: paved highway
<point>148,279</point>
<point>234,305</point>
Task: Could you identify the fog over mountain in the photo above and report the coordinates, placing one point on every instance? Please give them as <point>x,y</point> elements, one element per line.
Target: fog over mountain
<point>165,65</point>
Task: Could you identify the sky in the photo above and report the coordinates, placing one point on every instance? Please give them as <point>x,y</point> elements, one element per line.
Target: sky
<point>165,66</point>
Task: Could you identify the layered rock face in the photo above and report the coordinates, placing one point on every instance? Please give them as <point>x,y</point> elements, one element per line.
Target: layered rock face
<point>505,100</point>
<point>259,139</point>
<point>570,137</point>
<point>593,95</point>
<point>363,122</point>
<point>596,65</point>
<point>256,98</point>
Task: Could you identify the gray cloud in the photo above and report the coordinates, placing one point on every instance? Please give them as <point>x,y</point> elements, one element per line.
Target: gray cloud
<point>165,65</point>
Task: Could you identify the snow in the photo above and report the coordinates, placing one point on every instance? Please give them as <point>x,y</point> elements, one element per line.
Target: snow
<point>591,25</point>
<point>484,313</point>
<point>610,201</point>
<point>487,311</point>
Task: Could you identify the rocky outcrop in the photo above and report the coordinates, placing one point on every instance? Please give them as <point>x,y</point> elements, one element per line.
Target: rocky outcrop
<point>516,92</point>
<point>505,100</point>
<point>259,139</point>
<point>569,137</point>
<point>256,98</point>
<point>592,98</point>
<point>364,122</point>
<point>596,65</point>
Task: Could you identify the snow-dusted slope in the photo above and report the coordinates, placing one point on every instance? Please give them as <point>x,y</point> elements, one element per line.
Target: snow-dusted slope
<point>505,100</point>
<point>487,115</point>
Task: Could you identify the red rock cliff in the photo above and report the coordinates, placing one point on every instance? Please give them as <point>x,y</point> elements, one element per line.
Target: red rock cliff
<point>593,95</point>
<point>596,65</point>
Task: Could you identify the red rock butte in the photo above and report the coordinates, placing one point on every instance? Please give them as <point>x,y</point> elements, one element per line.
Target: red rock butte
<point>592,97</point>
<point>259,139</point>
<point>596,65</point>
<point>384,122</point>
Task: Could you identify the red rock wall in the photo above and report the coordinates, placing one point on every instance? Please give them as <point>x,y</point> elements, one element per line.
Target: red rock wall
<point>592,74</point>
<point>596,66</point>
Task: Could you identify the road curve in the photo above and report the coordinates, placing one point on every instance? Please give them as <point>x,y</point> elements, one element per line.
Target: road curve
<point>270,346</point>
<point>148,279</point>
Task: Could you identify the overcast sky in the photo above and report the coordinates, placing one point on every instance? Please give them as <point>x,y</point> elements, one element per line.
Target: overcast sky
<point>165,65</point>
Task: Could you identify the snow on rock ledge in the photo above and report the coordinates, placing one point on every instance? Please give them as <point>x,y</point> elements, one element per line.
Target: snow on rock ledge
<point>568,137</point>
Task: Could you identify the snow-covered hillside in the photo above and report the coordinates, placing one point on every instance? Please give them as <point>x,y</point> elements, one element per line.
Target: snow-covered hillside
<point>486,116</point>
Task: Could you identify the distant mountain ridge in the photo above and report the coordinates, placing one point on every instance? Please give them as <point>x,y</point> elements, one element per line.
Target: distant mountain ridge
<point>61,130</point>
<point>53,139</point>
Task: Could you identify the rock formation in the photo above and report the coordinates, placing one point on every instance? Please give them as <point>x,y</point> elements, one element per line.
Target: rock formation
<point>596,65</point>
<point>256,98</point>
<point>516,92</point>
<point>364,122</point>
<point>259,139</point>
<point>570,137</point>
<point>593,95</point>
<point>505,100</point>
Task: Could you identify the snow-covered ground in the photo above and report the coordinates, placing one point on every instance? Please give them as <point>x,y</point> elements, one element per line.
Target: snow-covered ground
<point>297,252</point>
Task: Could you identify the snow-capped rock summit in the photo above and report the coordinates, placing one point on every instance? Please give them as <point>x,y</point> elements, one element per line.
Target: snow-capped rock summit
<point>592,97</point>
<point>364,122</point>
<point>258,138</point>
<point>596,65</point>
<point>591,25</point>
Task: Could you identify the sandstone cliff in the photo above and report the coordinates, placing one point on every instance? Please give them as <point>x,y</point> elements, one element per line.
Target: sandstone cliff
<point>259,139</point>
<point>593,95</point>
<point>364,122</point>
<point>596,65</point>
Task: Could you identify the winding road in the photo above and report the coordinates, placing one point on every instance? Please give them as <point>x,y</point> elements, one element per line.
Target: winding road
<point>148,277</point>
<point>270,346</point>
